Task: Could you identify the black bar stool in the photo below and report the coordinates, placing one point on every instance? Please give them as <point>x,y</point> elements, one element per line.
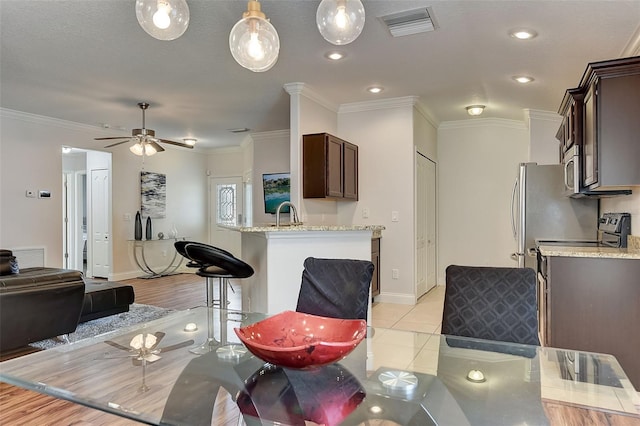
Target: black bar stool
<point>212,263</point>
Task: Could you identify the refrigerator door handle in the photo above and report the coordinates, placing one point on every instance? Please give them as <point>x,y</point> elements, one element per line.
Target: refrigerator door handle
<point>513,215</point>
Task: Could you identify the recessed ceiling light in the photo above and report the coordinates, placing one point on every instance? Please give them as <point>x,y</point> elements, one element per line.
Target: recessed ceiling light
<point>335,55</point>
<point>475,109</point>
<point>523,34</point>
<point>375,89</point>
<point>523,79</point>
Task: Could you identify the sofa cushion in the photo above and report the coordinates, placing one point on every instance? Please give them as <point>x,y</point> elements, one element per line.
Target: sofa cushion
<point>35,277</point>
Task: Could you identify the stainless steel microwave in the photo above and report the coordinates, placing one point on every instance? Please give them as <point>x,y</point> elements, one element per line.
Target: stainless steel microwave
<point>571,162</point>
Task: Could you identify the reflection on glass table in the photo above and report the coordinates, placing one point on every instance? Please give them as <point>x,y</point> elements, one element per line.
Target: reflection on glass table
<point>406,378</point>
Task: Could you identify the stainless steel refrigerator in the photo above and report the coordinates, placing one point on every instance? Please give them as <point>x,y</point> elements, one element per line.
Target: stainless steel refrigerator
<point>539,210</point>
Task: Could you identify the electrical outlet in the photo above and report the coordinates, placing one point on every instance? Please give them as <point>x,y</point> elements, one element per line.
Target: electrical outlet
<point>395,274</point>
<point>395,216</point>
<point>365,213</point>
<point>126,217</point>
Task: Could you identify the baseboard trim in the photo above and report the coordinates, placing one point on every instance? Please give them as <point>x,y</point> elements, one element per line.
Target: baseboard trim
<point>400,298</point>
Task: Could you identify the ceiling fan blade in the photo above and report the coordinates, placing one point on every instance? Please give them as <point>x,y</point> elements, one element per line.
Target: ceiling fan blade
<point>184,145</point>
<point>156,146</point>
<point>113,137</point>
<point>118,143</point>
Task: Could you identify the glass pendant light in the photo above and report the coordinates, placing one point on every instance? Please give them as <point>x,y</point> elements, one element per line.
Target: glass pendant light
<point>163,19</point>
<point>340,21</point>
<point>253,41</point>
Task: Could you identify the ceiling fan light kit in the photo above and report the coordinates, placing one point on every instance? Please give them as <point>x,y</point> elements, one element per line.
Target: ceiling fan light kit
<point>163,19</point>
<point>253,41</point>
<point>340,22</point>
<point>144,140</point>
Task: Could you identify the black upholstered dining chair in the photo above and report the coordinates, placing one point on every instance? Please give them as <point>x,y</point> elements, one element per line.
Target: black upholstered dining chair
<point>337,288</point>
<point>491,303</point>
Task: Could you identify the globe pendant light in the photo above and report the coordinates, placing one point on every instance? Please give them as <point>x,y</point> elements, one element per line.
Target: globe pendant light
<point>340,21</point>
<point>163,19</point>
<point>253,41</point>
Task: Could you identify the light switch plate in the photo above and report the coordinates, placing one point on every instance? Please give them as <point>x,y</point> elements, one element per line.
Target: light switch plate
<point>395,216</point>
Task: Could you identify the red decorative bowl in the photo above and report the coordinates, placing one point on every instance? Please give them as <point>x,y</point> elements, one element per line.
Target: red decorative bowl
<point>297,340</point>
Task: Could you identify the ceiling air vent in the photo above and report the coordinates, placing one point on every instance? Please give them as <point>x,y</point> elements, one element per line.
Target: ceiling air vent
<point>410,22</point>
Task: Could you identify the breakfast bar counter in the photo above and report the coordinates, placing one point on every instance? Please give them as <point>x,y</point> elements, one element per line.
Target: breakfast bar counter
<point>277,255</point>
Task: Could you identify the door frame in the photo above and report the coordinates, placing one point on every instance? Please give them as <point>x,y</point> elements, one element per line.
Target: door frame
<point>432,221</point>
<point>240,213</point>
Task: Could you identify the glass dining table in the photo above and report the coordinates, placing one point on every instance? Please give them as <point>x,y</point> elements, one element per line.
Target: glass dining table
<point>392,377</point>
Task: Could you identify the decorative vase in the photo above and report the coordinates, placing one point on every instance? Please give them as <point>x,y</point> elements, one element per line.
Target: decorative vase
<point>149,233</point>
<point>138,227</point>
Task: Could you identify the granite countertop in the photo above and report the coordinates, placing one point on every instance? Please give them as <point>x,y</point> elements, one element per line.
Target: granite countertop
<point>599,252</point>
<point>265,227</point>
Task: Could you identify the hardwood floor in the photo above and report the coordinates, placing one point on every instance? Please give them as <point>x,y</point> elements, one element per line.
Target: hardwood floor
<point>22,407</point>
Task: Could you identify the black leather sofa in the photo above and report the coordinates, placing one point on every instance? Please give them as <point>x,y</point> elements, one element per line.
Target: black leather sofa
<point>41,303</point>
<point>37,304</point>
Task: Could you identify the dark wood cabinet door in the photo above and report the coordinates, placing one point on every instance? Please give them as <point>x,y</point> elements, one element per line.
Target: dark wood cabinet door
<point>590,138</point>
<point>329,167</point>
<point>375,259</point>
<point>335,167</point>
<point>350,169</point>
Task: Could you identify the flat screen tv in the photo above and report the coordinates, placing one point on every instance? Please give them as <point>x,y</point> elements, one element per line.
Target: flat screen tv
<point>276,188</point>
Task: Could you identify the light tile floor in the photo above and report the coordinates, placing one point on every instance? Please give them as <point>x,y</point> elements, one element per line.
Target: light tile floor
<point>422,355</point>
<point>425,316</point>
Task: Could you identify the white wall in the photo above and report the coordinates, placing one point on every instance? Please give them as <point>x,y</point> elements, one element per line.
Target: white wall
<point>477,165</point>
<point>543,145</point>
<point>272,151</point>
<point>384,133</point>
<point>310,113</point>
<point>31,158</point>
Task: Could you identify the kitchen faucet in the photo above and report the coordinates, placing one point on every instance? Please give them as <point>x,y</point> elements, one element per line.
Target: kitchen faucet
<point>293,219</point>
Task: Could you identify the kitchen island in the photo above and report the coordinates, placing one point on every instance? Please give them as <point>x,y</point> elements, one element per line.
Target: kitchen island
<point>277,255</point>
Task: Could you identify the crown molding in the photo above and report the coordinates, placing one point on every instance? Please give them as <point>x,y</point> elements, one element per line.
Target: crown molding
<point>303,89</point>
<point>483,122</point>
<point>275,135</point>
<point>56,122</point>
<point>406,101</point>
<point>633,46</point>
<point>542,115</point>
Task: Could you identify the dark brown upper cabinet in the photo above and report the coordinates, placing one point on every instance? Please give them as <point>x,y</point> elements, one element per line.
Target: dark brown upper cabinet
<point>329,167</point>
<point>601,116</point>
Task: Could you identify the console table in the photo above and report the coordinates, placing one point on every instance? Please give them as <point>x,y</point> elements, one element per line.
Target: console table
<point>139,247</point>
<point>519,384</point>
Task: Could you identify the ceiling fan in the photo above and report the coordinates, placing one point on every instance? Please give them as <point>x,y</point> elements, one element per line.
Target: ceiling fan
<point>145,141</point>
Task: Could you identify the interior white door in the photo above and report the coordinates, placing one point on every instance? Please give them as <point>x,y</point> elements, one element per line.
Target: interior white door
<point>226,208</point>
<point>101,241</point>
<point>425,225</point>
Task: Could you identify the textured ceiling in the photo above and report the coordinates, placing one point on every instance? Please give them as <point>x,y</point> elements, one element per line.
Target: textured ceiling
<point>88,61</point>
